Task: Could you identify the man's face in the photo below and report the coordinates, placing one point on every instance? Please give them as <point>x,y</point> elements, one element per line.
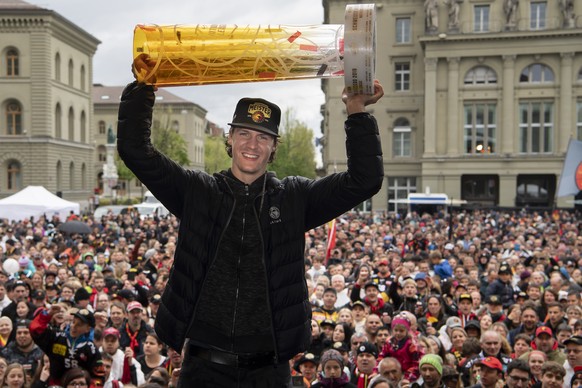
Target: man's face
<point>20,293</point>
<point>110,344</point>
<point>489,376</point>
<point>572,300</point>
<point>534,293</point>
<point>381,337</point>
<point>134,317</point>
<point>574,354</point>
<point>373,323</point>
<point>517,379</point>
<point>338,283</point>
<point>358,312</point>
<point>99,284</point>
<point>329,299</point>
<point>551,380</point>
<point>430,375</point>
<point>555,314</point>
<point>529,319</point>
<point>23,338</point>
<point>372,294</point>
<point>78,327</point>
<point>465,306</point>
<point>251,151</point>
<point>491,344</point>
<point>366,362</point>
<point>544,342</point>
<point>308,370</point>
<point>391,371</point>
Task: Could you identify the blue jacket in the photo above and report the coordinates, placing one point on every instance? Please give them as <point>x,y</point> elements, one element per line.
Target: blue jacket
<point>204,204</point>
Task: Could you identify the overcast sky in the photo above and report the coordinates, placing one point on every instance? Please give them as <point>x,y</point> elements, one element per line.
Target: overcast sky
<point>113,21</point>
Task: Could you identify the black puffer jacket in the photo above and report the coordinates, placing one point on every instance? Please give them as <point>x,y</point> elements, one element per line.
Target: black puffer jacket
<point>204,205</point>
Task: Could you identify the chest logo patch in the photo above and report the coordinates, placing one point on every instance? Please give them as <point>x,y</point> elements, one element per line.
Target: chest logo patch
<point>274,213</point>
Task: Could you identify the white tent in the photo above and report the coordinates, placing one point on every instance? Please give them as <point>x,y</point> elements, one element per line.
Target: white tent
<point>34,201</point>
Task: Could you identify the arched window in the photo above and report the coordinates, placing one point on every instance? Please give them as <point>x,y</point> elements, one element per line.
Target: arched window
<point>14,175</point>
<point>71,124</point>
<point>83,75</point>
<point>59,176</point>
<point>101,153</point>
<point>101,126</point>
<point>13,118</point>
<point>401,142</point>
<point>12,65</point>
<point>58,122</point>
<point>58,67</point>
<point>83,176</point>
<point>71,72</point>
<point>481,75</point>
<point>83,127</point>
<point>71,176</point>
<point>537,73</point>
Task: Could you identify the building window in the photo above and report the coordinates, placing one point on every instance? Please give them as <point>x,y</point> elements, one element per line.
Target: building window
<point>176,126</point>
<point>537,73</point>
<point>480,128</point>
<point>83,176</point>
<point>58,122</point>
<point>535,190</point>
<point>580,74</point>
<point>483,189</point>
<point>401,138</point>
<point>536,127</point>
<point>402,76</point>
<point>83,127</point>
<point>579,121</point>
<point>71,124</point>
<point>481,18</point>
<point>101,126</point>
<point>403,30</point>
<point>71,176</point>
<point>71,72</point>
<point>59,176</point>
<point>101,153</point>
<point>83,75</point>
<point>12,65</point>
<point>14,175</point>
<point>481,75</point>
<point>398,189</point>
<point>58,67</point>
<point>13,118</point>
<point>538,15</point>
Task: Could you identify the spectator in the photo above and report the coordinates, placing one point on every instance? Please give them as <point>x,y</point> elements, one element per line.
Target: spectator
<point>547,344</point>
<point>14,377</point>
<point>391,369</point>
<point>552,375</point>
<point>152,356</point>
<point>431,370</point>
<point>134,330</point>
<point>23,350</point>
<point>403,346</point>
<point>124,367</point>
<point>518,374</point>
<point>365,370</point>
<point>574,356</point>
<point>332,374</point>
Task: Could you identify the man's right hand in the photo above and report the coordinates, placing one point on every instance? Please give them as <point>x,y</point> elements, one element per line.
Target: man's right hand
<point>142,68</point>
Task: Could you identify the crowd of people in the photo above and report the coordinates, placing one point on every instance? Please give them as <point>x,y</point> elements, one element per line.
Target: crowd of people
<point>469,298</point>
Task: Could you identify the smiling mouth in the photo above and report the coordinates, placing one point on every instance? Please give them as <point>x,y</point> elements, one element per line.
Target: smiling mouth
<point>250,156</point>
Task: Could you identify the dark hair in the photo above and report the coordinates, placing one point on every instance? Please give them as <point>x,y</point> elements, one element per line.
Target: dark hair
<point>330,289</point>
<point>164,378</point>
<point>555,304</point>
<point>553,367</point>
<point>519,365</point>
<point>524,337</point>
<point>76,373</point>
<point>471,346</point>
<point>563,327</point>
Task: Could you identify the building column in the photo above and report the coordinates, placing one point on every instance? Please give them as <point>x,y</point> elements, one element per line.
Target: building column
<point>566,129</point>
<point>509,129</point>
<point>452,129</point>
<point>430,105</point>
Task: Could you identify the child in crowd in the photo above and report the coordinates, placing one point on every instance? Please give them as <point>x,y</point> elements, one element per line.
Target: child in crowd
<point>403,346</point>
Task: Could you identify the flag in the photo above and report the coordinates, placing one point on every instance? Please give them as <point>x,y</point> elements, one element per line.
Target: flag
<point>571,178</point>
<point>330,239</point>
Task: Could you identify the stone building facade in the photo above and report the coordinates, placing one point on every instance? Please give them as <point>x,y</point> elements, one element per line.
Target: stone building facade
<point>481,99</point>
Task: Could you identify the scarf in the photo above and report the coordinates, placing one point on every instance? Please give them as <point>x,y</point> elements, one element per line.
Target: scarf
<point>2,342</point>
<point>133,344</point>
<point>375,309</point>
<point>363,379</point>
<point>328,382</point>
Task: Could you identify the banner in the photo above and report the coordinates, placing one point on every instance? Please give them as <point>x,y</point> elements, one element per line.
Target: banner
<point>330,239</point>
<point>571,178</point>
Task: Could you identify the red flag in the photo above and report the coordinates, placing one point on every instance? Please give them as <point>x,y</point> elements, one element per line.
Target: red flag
<point>330,239</point>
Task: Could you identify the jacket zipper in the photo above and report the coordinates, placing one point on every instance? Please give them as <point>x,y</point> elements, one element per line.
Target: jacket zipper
<point>267,282</point>
<point>242,240</point>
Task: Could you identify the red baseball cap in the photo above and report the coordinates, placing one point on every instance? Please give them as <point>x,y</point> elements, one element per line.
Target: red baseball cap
<point>492,362</point>
<point>544,329</point>
<point>133,306</point>
<point>111,331</point>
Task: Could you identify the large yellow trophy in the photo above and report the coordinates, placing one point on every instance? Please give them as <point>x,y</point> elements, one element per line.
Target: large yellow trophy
<point>211,54</point>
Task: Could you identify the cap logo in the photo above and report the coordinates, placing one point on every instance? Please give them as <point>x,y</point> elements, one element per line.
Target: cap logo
<point>362,348</point>
<point>309,356</point>
<point>259,112</point>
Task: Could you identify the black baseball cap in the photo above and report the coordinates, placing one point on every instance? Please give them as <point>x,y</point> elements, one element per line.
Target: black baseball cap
<point>257,114</point>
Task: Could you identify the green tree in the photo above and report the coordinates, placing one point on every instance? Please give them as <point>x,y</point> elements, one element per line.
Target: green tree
<point>296,151</point>
<point>215,157</point>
